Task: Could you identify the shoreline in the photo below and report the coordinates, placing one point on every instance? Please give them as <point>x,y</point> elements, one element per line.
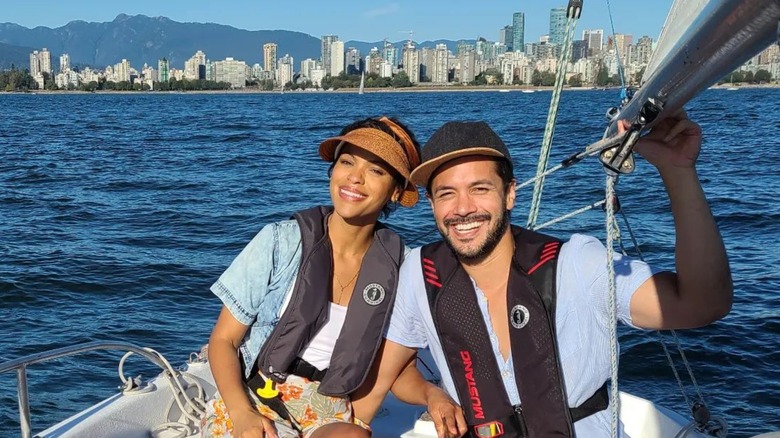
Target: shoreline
<point>416,89</point>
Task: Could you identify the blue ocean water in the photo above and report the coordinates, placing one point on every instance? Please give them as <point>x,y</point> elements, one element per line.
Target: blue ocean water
<point>118,211</point>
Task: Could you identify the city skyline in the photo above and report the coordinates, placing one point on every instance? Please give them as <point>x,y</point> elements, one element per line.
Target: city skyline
<point>353,20</point>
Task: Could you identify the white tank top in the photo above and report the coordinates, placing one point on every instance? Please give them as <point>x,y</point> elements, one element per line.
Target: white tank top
<point>320,348</point>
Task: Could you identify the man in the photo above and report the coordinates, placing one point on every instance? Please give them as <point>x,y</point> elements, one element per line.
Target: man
<point>516,321</point>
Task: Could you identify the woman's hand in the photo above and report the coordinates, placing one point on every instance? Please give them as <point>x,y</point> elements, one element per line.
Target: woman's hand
<point>251,424</point>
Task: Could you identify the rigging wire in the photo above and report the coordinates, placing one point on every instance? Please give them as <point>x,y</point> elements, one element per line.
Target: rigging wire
<point>621,74</point>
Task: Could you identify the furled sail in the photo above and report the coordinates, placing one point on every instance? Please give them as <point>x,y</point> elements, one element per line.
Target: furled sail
<point>701,42</point>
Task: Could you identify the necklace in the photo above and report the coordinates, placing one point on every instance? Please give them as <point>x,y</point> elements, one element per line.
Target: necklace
<point>344,286</point>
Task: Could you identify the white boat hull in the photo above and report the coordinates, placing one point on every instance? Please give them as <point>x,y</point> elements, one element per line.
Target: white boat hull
<point>130,416</point>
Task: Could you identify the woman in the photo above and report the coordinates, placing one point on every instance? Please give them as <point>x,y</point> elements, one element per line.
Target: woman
<point>307,300</point>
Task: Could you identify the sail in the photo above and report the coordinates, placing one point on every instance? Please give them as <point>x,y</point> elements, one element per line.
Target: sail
<point>362,82</point>
<point>680,16</point>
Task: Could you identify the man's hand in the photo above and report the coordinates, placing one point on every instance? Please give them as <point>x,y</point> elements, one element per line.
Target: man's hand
<point>446,414</point>
<point>250,424</point>
<point>674,142</point>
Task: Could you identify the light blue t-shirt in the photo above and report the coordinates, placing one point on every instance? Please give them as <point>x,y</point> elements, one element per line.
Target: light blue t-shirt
<point>581,319</point>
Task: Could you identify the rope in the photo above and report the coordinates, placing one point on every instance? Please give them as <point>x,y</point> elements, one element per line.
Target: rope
<point>612,233</point>
<point>552,116</point>
<point>192,408</point>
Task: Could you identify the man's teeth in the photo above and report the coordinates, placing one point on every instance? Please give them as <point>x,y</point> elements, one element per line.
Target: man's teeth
<point>467,226</point>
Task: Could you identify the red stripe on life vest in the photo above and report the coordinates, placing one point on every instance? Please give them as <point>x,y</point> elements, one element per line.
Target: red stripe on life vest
<point>550,247</point>
<point>432,281</point>
<point>541,262</point>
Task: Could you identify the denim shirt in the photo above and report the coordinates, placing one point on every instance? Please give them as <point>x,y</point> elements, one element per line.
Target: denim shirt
<point>259,282</point>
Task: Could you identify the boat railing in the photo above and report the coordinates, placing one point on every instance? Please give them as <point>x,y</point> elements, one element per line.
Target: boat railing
<point>20,366</point>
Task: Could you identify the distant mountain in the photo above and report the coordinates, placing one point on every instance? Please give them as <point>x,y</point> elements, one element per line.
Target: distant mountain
<point>15,56</point>
<point>141,39</point>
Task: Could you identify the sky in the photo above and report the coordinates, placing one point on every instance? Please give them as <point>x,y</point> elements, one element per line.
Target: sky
<point>356,20</point>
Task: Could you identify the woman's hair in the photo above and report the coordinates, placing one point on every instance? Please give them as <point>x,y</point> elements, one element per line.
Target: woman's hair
<point>376,123</point>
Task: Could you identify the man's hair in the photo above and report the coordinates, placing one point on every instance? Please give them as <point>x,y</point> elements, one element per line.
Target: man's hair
<point>504,169</point>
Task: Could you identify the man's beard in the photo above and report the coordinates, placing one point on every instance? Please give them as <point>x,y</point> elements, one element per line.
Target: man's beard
<point>474,256</point>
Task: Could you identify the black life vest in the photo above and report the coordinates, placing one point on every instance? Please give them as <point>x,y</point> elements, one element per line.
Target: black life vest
<point>307,311</point>
<point>464,336</point>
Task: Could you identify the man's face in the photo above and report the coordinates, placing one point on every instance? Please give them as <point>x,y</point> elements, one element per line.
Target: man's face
<point>471,206</point>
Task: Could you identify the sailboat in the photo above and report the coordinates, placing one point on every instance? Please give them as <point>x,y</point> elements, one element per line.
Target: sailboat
<point>694,51</point>
<point>731,86</point>
<point>362,82</point>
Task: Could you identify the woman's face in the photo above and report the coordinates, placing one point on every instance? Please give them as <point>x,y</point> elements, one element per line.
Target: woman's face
<point>361,184</point>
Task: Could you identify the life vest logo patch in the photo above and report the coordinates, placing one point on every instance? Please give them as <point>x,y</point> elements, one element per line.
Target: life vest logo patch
<point>519,316</point>
<point>374,294</point>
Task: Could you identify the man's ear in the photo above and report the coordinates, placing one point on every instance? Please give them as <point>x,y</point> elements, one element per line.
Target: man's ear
<point>511,192</point>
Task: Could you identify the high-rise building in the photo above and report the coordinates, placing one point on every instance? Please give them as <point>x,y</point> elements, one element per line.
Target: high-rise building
<point>468,64</point>
<point>231,71</point>
<point>353,61</point>
<point>195,67</point>
<point>441,69</point>
<point>122,71</point>
<point>336,58</point>
<point>505,37</point>
<point>35,63</point>
<point>579,50</point>
<point>64,62</point>
<point>285,70</point>
<point>595,39</point>
<point>644,48</point>
<point>557,25</point>
<point>327,43</point>
<point>373,61</point>
<point>621,44</point>
<point>770,55</point>
<point>427,56</point>
<point>386,70</point>
<point>307,65</point>
<point>45,58</point>
<point>390,54</point>
<point>411,62</point>
<point>518,32</point>
<point>269,56</point>
<point>164,70</point>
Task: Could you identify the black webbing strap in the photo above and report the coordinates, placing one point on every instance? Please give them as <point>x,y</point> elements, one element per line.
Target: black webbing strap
<point>515,426</point>
<point>596,403</point>
<point>301,368</point>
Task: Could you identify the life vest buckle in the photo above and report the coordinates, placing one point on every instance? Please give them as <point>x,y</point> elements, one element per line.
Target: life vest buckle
<point>489,430</point>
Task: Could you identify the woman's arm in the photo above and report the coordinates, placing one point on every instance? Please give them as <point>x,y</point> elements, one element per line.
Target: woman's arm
<point>396,368</point>
<point>225,367</point>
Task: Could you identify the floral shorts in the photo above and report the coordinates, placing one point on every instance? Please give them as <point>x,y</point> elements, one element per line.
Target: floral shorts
<point>309,409</point>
